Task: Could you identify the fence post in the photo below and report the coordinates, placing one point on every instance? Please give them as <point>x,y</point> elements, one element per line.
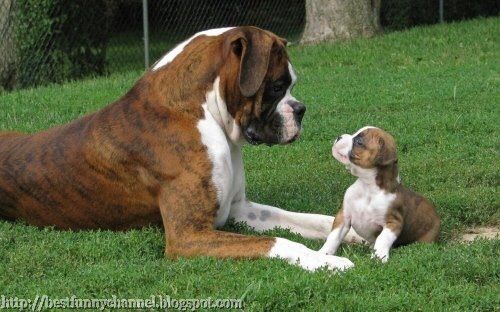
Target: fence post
<point>441,11</point>
<point>146,32</point>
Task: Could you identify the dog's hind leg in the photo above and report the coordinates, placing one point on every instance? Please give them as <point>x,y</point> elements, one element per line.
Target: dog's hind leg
<point>6,135</point>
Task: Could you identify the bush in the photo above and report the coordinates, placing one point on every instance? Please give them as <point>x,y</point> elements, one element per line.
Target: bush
<point>400,14</point>
<point>59,40</point>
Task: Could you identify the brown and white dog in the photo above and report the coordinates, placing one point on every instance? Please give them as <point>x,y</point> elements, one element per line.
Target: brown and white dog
<point>169,152</point>
<point>377,206</point>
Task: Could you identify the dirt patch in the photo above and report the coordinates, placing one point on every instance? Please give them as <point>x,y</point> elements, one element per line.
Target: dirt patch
<point>487,232</point>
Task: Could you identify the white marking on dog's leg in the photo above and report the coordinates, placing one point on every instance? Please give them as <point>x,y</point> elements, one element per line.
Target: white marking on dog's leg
<point>306,258</point>
<point>170,56</point>
<point>308,225</point>
<point>263,217</point>
<point>383,244</point>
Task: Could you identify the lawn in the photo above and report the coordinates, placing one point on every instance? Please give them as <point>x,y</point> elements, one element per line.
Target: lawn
<point>435,88</point>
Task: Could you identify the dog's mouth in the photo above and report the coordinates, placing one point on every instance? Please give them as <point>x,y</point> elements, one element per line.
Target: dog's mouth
<point>343,158</point>
<point>340,156</point>
<point>293,139</point>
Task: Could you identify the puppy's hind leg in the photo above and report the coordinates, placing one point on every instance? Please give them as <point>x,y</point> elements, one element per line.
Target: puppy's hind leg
<point>432,235</point>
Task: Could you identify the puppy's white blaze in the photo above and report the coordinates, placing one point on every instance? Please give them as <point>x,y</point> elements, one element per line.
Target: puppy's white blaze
<point>306,258</point>
<point>363,129</point>
<point>170,56</point>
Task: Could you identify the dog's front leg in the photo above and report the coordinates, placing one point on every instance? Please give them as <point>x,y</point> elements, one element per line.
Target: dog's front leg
<point>309,225</point>
<point>188,216</point>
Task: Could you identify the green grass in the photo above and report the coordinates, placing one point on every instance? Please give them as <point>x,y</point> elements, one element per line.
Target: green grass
<point>435,88</point>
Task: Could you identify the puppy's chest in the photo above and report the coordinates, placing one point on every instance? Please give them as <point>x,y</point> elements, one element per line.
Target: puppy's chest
<point>367,210</point>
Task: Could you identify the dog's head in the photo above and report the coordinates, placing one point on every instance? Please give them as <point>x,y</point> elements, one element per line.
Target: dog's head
<point>256,81</point>
<point>368,148</point>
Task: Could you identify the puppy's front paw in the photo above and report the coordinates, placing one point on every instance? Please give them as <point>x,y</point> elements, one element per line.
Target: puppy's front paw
<point>381,256</point>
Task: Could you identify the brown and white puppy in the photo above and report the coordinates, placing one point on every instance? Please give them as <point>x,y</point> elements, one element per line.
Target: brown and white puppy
<point>169,152</point>
<point>377,206</point>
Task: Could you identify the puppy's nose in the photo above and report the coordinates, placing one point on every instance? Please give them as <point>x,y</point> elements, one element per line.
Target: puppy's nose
<point>338,138</point>
<point>299,109</point>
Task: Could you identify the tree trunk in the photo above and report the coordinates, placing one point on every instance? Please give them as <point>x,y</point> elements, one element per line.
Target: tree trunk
<point>7,45</point>
<point>331,20</point>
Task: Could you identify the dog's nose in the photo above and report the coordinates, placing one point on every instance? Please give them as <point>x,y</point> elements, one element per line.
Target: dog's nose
<point>299,109</point>
<point>252,134</point>
<point>338,138</point>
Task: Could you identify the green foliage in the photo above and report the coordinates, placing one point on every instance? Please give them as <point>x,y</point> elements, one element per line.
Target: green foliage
<point>400,14</point>
<point>60,40</point>
<point>435,88</point>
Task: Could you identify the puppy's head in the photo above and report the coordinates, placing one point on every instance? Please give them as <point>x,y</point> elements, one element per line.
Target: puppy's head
<point>368,148</point>
<point>256,82</point>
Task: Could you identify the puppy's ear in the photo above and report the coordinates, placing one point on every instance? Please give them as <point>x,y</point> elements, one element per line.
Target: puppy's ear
<point>254,49</point>
<point>387,152</point>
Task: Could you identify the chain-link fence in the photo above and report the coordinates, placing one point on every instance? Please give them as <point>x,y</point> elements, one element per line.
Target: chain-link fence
<point>59,40</point>
<point>173,20</point>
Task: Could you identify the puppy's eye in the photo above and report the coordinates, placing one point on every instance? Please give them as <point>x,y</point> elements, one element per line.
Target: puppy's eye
<point>358,141</point>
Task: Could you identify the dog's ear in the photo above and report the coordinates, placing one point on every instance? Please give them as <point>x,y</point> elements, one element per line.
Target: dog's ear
<point>254,49</point>
<point>387,153</point>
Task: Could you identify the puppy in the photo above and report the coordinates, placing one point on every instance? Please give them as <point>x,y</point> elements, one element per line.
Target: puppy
<point>377,205</point>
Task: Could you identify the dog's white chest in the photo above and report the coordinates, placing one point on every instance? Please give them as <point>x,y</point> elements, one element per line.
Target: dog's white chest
<point>227,165</point>
<point>367,209</point>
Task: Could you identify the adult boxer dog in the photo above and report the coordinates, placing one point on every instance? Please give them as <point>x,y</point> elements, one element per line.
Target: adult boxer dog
<point>169,152</point>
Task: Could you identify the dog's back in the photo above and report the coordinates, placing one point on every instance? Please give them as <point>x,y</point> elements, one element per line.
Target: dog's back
<point>28,167</point>
<point>71,176</point>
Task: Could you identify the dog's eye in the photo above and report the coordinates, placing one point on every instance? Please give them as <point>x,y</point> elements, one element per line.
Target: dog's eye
<point>279,86</point>
<point>358,141</point>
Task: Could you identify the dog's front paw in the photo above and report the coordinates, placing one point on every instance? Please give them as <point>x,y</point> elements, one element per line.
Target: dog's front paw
<point>316,261</point>
<point>326,251</point>
<point>306,258</point>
